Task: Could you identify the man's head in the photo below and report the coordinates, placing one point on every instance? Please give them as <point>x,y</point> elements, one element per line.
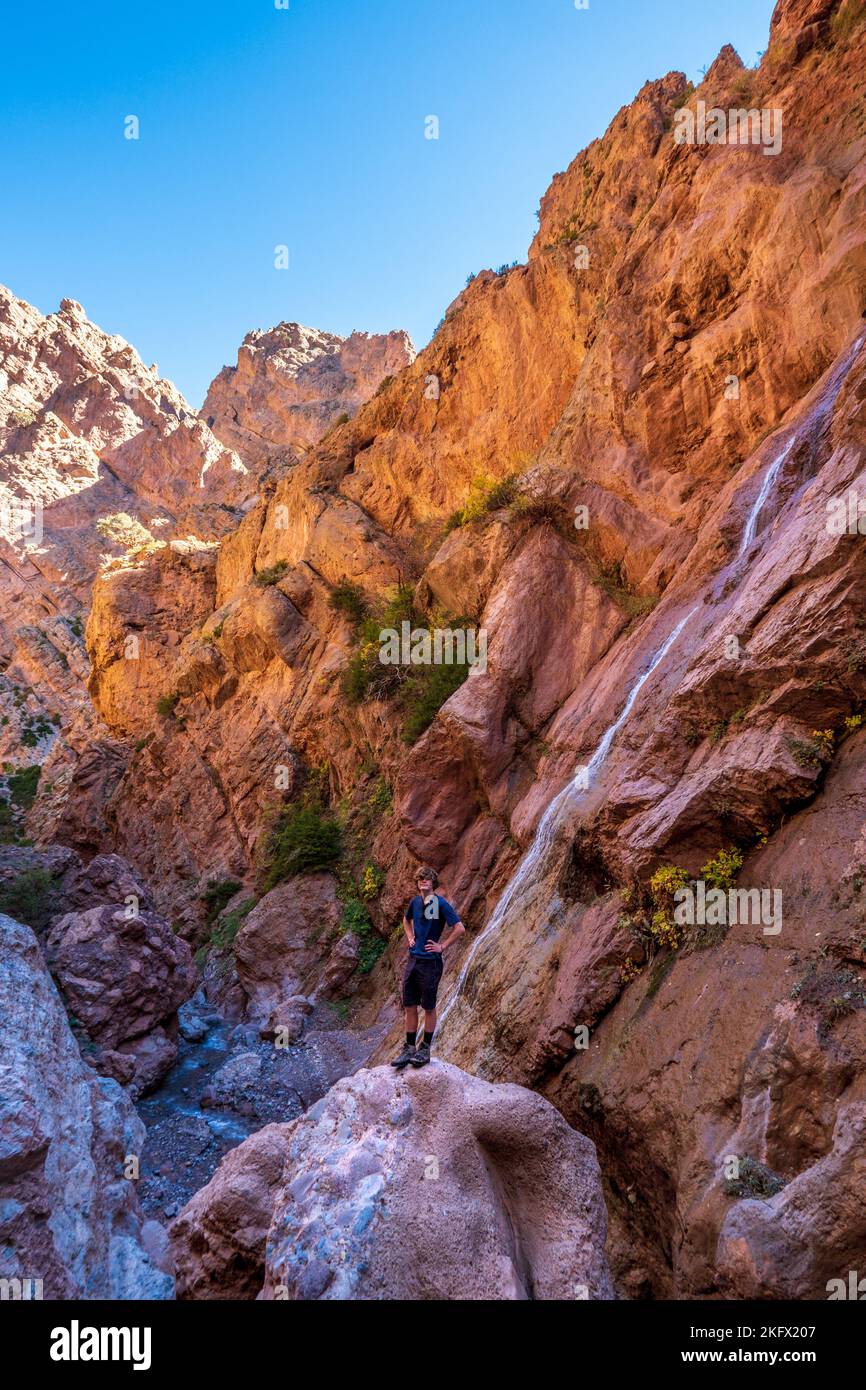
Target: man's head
<point>426,879</point>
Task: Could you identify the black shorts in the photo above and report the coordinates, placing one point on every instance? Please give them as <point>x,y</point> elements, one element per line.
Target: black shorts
<point>421,982</point>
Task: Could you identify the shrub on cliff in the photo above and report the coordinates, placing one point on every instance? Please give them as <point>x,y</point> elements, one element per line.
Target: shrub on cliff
<point>485,495</point>
<point>421,690</point>
<point>348,599</point>
<point>166,705</point>
<point>304,840</point>
<point>265,579</point>
<point>217,896</point>
<point>124,530</point>
<point>754,1179</point>
<point>850,14</point>
<point>425,692</point>
<point>28,898</point>
<point>721,872</point>
<point>23,785</point>
<point>355,920</point>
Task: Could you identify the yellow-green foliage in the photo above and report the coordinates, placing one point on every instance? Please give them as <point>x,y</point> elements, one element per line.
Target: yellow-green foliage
<point>664,884</point>
<point>124,530</point>
<point>721,872</point>
<point>371,882</point>
<point>485,495</point>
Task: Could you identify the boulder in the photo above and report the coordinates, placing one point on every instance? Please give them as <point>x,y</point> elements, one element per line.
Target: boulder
<point>106,879</point>
<point>218,1241</point>
<point>69,1216</point>
<point>433,1185</point>
<point>123,977</point>
<point>281,947</point>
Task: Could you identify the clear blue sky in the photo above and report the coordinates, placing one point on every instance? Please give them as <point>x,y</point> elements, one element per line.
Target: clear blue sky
<point>262,126</point>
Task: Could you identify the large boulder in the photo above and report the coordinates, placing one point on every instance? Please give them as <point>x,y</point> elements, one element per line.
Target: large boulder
<point>218,1240</point>
<point>69,1215</point>
<point>284,942</point>
<point>432,1185</point>
<point>123,976</point>
<point>107,878</point>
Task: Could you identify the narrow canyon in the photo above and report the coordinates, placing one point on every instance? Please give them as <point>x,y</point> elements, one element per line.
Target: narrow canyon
<point>636,464</point>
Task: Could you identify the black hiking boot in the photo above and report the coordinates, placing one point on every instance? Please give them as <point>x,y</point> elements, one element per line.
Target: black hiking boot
<point>406,1056</point>
<point>421,1056</point>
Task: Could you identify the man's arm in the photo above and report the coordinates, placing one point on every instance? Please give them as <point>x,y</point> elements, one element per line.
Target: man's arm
<point>440,947</point>
<point>409,929</point>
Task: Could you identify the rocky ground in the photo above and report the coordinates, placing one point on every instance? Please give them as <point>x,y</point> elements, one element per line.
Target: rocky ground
<point>226,1085</point>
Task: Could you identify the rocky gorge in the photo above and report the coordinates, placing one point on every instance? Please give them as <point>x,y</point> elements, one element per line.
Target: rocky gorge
<point>637,463</point>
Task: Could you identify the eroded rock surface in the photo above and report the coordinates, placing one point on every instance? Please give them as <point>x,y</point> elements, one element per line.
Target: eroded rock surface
<point>69,1214</point>
<point>292,383</point>
<point>435,1185</point>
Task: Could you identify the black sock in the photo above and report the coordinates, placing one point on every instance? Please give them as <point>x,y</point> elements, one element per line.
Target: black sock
<point>428,1038</point>
<point>410,1039</point>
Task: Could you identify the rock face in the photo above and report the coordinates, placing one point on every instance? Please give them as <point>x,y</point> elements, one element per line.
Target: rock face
<point>430,1186</point>
<point>291,384</point>
<point>69,1216</point>
<point>280,949</point>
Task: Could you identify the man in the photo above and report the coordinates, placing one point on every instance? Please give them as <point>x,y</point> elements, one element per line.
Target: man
<point>425,919</point>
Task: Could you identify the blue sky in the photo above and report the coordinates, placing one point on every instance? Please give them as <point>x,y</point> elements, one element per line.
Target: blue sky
<point>304,127</point>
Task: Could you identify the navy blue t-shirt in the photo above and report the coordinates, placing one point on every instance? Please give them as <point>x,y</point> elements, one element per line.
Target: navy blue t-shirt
<point>429,922</point>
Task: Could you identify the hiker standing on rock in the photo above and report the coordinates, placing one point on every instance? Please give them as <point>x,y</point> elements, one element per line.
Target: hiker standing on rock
<point>424,920</point>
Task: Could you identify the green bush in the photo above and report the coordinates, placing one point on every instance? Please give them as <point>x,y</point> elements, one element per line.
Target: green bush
<point>424,693</point>
<point>167,704</point>
<point>268,577</point>
<point>23,785</point>
<point>356,919</point>
<point>223,935</point>
<point>633,605</point>
<point>365,677</point>
<point>28,898</point>
<point>485,495</point>
<point>381,798</point>
<point>217,895</point>
<point>303,841</point>
<point>348,598</point>
<point>755,1180</point>
<point>721,872</point>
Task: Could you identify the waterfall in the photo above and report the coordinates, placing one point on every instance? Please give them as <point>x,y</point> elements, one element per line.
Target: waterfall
<point>555,813</point>
<point>822,410</point>
<point>772,474</point>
